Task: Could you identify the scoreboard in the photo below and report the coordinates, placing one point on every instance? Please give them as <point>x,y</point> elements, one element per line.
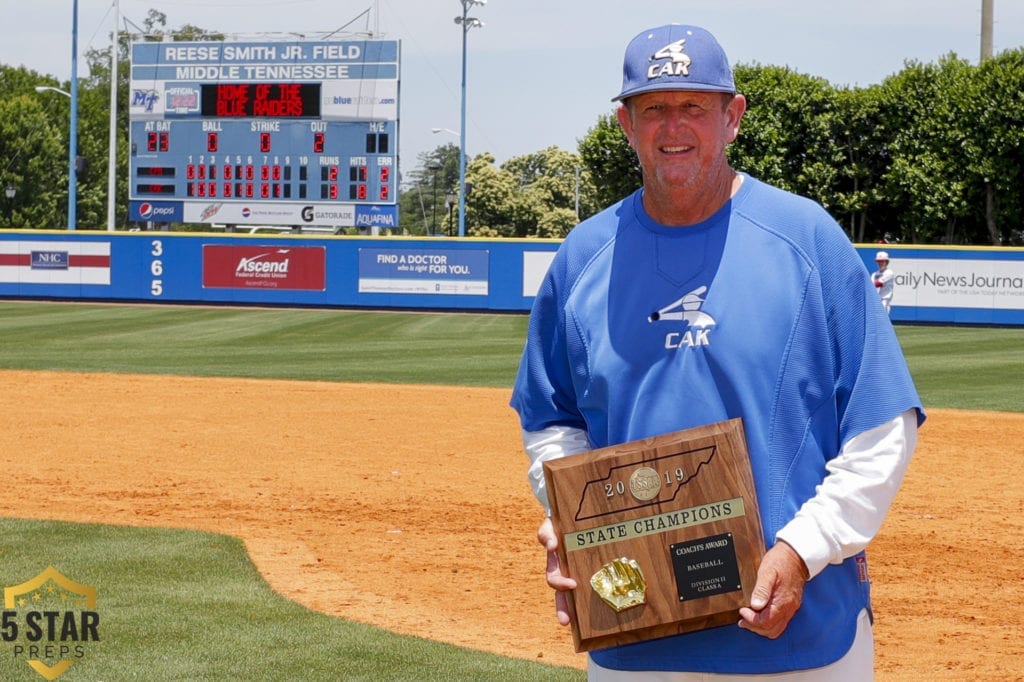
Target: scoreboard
<point>272,132</point>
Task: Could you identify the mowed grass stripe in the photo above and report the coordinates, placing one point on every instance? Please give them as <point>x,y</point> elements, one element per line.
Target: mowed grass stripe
<point>328,345</point>
<point>967,367</point>
<point>954,367</point>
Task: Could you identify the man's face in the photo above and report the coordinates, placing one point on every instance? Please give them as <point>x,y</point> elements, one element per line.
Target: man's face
<point>680,135</point>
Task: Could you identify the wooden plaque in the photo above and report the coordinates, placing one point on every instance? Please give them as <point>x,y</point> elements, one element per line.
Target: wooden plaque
<point>662,535</point>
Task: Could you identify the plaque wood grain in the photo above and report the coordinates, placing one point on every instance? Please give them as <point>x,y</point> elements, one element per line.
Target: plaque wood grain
<point>692,528</point>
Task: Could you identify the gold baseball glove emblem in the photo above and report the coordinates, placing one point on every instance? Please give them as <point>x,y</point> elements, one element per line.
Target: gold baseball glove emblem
<point>620,584</point>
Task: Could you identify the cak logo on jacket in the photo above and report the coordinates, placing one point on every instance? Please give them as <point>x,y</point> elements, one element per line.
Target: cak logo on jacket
<point>686,309</point>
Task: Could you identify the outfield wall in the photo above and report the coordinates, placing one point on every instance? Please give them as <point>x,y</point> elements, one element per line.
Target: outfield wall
<point>933,284</point>
<point>960,285</point>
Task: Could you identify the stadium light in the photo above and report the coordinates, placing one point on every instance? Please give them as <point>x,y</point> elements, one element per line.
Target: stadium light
<point>466,22</point>
<point>73,125</point>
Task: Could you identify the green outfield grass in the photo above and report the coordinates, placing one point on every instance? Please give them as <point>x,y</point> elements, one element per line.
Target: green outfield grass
<point>181,605</point>
<point>966,367</point>
<point>959,367</point>
<point>328,345</point>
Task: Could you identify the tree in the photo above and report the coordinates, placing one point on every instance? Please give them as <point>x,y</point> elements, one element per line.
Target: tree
<point>34,157</point>
<point>492,209</point>
<point>610,161</point>
<point>533,195</point>
<point>422,204</point>
<point>863,140</point>
<point>550,182</point>
<point>789,133</point>
<point>997,154</point>
<point>928,178</point>
<point>935,153</point>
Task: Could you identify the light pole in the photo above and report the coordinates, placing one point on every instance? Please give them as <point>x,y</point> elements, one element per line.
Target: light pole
<point>10,191</point>
<point>72,154</point>
<point>449,199</point>
<point>112,126</point>
<point>73,134</point>
<point>433,168</point>
<point>44,88</point>
<point>577,174</point>
<point>467,22</point>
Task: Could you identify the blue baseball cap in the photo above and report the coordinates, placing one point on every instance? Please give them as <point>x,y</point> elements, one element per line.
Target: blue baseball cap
<point>675,57</point>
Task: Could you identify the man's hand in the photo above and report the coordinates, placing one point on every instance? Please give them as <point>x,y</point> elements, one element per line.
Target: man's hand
<point>778,593</point>
<point>546,536</point>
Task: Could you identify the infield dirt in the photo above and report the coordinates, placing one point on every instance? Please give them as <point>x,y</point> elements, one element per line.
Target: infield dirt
<point>426,486</point>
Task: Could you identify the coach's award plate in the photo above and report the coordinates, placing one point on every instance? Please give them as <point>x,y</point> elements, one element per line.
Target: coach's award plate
<point>662,535</point>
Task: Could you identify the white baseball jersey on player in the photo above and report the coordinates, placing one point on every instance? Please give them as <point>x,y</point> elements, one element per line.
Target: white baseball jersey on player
<point>641,329</point>
<point>888,278</point>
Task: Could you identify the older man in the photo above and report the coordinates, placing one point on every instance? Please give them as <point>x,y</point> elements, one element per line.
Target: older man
<point>777,324</point>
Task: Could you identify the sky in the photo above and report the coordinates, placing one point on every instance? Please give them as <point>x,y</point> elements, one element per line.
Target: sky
<point>539,72</point>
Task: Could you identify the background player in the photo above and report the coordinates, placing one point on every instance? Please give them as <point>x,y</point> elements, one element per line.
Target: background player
<point>884,279</point>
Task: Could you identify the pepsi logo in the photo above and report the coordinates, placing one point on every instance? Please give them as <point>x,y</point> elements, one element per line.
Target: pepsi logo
<point>246,212</point>
<point>146,210</point>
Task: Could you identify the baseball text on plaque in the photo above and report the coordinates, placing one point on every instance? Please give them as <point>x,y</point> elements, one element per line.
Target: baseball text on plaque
<point>662,534</point>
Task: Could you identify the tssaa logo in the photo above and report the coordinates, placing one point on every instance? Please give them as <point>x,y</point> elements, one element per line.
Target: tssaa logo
<point>50,622</point>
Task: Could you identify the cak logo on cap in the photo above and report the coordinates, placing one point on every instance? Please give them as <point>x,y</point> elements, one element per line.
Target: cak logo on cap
<point>679,64</point>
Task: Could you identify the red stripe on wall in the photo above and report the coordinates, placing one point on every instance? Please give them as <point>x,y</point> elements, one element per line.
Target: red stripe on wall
<point>82,261</point>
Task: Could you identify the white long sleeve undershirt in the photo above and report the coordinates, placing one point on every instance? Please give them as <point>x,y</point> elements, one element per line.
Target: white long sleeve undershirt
<point>848,507</point>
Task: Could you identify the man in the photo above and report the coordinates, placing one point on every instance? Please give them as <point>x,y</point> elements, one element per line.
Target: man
<point>708,295</point>
<point>884,280</point>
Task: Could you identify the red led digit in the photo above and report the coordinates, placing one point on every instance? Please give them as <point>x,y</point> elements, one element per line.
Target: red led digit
<point>385,173</point>
<point>318,143</point>
<point>264,190</point>
<point>384,192</point>
<point>165,141</point>
<point>190,172</point>
<point>334,192</point>
<point>264,142</point>
<point>276,172</point>
<point>151,142</point>
<point>332,173</point>
<point>361,192</point>
<point>264,172</point>
<point>249,173</point>
<point>227,189</point>
<point>227,172</point>
<point>211,142</point>
<point>362,174</point>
